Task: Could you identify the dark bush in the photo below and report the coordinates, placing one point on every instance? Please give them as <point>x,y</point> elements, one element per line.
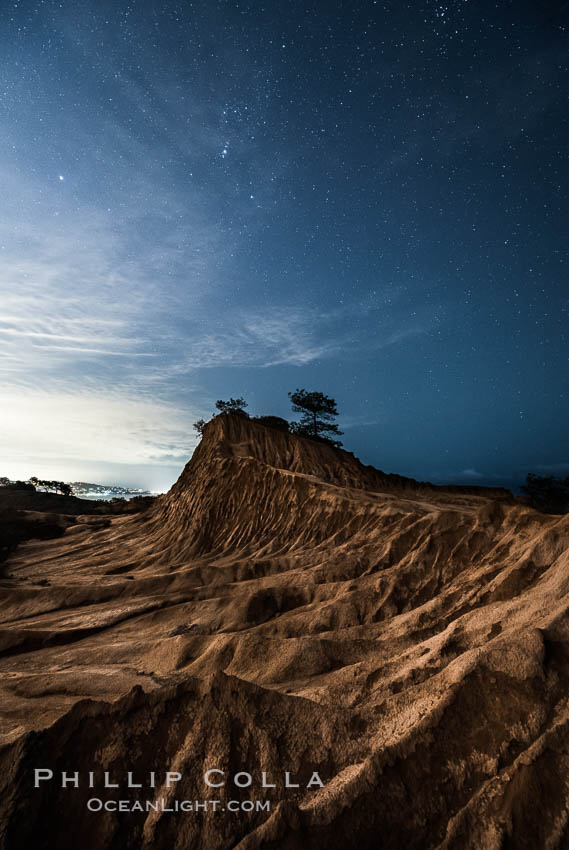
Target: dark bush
<point>273,422</point>
<point>547,493</point>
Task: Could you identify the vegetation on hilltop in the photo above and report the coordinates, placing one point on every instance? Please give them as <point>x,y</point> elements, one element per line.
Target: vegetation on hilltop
<point>318,411</point>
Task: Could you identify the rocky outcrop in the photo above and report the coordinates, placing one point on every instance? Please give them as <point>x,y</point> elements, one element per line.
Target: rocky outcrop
<point>286,609</point>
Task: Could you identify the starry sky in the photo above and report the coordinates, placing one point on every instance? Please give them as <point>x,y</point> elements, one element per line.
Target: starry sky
<point>204,199</point>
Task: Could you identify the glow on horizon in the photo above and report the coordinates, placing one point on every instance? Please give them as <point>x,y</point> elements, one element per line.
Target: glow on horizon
<point>93,437</point>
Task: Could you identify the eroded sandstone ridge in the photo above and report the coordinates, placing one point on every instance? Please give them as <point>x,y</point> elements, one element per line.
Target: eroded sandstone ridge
<point>285,608</point>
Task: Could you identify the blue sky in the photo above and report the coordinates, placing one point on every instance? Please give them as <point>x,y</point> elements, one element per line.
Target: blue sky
<point>225,199</point>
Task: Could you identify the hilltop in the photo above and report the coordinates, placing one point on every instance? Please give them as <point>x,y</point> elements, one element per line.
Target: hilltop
<point>286,608</point>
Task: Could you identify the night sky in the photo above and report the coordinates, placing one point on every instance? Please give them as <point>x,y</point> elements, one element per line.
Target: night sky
<point>209,199</point>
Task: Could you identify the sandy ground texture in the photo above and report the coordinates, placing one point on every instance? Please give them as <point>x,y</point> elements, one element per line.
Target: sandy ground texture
<point>285,608</point>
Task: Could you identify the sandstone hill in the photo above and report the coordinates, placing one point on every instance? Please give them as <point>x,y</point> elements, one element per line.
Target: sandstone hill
<point>285,608</point>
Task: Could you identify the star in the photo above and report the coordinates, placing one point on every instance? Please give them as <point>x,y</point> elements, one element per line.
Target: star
<point>61,177</point>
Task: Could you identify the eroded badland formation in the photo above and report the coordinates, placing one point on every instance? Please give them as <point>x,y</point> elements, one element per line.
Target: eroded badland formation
<point>285,608</point>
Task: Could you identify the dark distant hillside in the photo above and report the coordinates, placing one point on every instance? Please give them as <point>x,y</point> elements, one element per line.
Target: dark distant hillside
<point>28,515</point>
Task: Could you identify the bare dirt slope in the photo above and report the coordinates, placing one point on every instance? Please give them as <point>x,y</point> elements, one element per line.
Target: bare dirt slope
<point>284,607</point>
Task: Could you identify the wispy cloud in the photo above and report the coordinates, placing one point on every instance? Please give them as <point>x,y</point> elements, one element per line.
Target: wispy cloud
<point>471,473</point>
<point>75,425</point>
<point>256,339</point>
<point>294,335</point>
<point>78,290</point>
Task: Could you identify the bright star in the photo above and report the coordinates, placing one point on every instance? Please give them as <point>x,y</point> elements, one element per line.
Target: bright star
<point>61,177</point>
